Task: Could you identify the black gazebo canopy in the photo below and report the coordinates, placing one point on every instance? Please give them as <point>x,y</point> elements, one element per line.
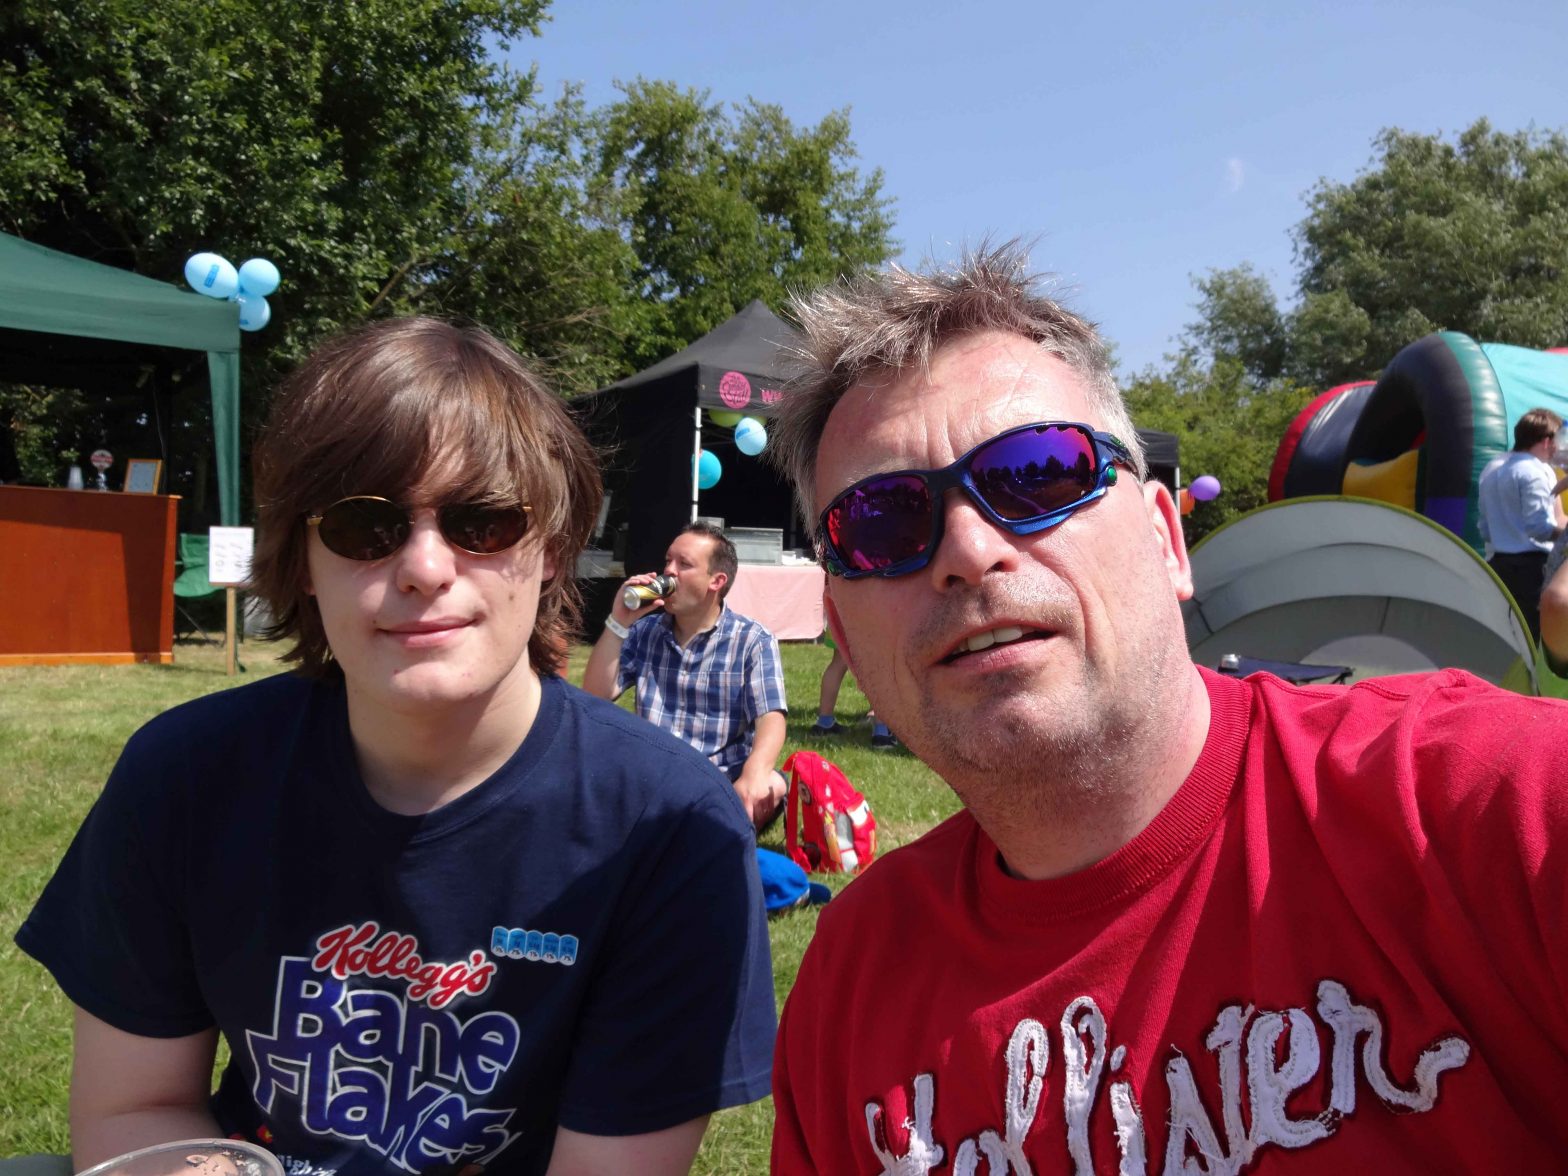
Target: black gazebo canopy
<point>649,424</point>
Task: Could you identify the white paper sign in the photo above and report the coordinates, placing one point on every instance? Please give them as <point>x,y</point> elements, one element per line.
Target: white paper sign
<point>228,554</point>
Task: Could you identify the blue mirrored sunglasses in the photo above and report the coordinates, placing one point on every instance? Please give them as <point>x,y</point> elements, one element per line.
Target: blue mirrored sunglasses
<point>1024,480</point>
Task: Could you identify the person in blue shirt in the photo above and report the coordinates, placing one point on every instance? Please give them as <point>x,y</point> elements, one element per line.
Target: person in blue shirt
<point>701,671</point>
<point>1518,516</point>
<point>449,913</point>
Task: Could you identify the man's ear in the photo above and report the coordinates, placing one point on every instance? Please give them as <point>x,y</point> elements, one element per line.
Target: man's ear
<point>1165,515</point>
<point>836,627</point>
<point>717,581</point>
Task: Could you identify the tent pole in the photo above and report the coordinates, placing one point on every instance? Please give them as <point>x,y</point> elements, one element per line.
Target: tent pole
<point>696,456</point>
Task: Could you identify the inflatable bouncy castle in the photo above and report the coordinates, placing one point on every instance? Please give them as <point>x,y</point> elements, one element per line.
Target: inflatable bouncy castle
<point>1421,435</point>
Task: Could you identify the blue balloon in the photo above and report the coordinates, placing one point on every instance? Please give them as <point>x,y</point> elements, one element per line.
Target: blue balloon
<point>750,437</point>
<point>254,312</point>
<point>258,276</point>
<point>708,470</point>
<point>197,266</point>
<point>211,275</point>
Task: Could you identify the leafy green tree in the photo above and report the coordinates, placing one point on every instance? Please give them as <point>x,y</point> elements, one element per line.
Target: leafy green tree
<point>722,209</point>
<point>1330,340</point>
<point>1470,235</point>
<point>342,141</point>
<point>380,155</point>
<point>333,138</point>
<point>542,258</point>
<point>1229,425</point>
<point>618,236</point>
<point>1239,317</point>
<point>38,441</point>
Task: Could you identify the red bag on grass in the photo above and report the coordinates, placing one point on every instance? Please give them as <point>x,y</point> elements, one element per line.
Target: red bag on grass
<point>829,827</point>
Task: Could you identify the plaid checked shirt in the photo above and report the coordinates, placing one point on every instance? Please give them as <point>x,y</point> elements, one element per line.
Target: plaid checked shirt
<point>711,693</point>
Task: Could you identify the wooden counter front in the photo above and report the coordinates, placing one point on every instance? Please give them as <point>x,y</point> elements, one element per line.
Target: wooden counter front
<point>86,576</point>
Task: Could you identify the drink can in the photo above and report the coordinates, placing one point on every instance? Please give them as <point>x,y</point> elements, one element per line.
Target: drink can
<point>640,594</point>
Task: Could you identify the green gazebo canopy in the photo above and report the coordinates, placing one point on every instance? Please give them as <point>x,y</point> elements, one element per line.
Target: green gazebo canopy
<point>108,314</point>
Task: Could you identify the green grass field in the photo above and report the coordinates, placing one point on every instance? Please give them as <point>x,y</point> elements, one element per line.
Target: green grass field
<point>61,729</point>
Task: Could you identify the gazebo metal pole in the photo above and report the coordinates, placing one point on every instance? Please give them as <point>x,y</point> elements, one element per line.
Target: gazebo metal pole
<point>696,457</point>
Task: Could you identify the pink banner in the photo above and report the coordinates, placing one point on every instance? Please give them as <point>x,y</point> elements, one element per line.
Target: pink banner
<point>786,598</point>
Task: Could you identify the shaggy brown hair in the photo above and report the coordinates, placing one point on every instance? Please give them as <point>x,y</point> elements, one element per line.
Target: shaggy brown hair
<point>373,412</point>
<point>1537,425</point>
<point>895,320</point>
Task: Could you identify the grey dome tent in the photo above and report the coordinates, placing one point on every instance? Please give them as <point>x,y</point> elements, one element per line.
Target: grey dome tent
<point>1356,582</point>
<point>649,425</point>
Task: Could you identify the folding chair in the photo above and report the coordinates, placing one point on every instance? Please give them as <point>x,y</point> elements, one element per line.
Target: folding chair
<point>191,583</point>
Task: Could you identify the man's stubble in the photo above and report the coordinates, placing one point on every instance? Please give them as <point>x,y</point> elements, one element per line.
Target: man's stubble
<point>1079,746</point>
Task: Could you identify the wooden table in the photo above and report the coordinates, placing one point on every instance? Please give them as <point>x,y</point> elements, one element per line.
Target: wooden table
<point>86,576</point>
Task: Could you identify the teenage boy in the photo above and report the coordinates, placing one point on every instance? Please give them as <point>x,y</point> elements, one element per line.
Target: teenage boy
<point>445,909</point>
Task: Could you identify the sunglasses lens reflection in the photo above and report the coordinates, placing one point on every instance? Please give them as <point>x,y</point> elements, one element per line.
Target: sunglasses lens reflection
<point>363,528</point>
<point>1031,474</point>
<point>481,529</point>
<point>881,523</point>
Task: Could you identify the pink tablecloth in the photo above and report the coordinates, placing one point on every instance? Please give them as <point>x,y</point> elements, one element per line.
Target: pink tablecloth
<point>787,598</point>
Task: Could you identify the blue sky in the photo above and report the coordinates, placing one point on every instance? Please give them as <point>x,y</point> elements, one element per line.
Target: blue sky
<point>1141,143</point>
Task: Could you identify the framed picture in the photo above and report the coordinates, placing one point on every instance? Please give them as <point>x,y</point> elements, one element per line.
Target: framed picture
<point>141,475</point>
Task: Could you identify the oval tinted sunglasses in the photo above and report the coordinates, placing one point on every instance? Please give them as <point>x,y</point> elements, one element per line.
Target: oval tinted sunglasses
<point>1023,480</point>
<point>367,528</point>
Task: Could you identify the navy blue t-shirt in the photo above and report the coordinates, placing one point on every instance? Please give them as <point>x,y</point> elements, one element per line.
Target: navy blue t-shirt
<point>579,940</point>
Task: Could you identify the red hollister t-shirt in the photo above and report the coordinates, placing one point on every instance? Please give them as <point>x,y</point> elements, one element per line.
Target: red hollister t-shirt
<point>1340,947</point>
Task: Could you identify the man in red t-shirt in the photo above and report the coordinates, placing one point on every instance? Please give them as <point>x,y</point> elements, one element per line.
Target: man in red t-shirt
<point>1183,923</point>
